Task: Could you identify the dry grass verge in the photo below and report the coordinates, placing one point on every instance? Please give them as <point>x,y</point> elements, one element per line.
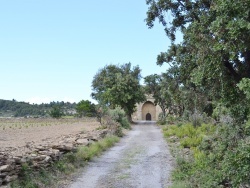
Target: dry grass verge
<point>64,167</point>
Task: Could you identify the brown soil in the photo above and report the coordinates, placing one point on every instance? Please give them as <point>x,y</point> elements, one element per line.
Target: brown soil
<point>18,136</point>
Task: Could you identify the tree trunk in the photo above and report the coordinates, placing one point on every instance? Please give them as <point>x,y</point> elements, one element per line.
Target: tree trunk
<point>129,116</point>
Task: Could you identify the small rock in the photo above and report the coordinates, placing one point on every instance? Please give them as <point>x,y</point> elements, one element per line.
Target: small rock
<point>70,140</point>
<point>9,179</point>
<point>40,157</point>
<point>3,175</point>
<point>6,168</point>
<point>82,141</point>
<point>66,147</point>
<point>17,160</point>
<point>23,160</point>
<point>47,159</point>
<point>39,148</point>
<point>45,152</point>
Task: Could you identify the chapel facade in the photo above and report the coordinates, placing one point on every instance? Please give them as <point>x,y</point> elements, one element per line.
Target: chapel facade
<point>147,111</point>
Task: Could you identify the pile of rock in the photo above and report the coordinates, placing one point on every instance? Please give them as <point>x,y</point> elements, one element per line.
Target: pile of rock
<point>42,156</point>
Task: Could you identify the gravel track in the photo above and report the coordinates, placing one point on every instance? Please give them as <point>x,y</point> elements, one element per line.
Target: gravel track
<point>141,159</point>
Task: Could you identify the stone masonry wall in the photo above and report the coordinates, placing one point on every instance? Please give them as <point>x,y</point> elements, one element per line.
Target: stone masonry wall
<point>44,155</point>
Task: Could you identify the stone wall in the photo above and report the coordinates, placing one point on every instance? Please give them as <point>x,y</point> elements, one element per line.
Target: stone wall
<point>44,155</point>
<point>147,107</point>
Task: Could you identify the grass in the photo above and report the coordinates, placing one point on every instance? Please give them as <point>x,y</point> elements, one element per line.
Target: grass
<point>64,167</point>
<point>186,136</point>
<point>180,184</point>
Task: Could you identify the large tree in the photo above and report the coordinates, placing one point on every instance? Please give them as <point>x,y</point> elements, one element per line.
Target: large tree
<point>85,108</point>
<point>215,50</point>
<point>118,85</point>
<point>161,89</point>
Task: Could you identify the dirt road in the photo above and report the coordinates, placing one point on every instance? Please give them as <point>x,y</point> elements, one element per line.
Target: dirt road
<point>140,160</point>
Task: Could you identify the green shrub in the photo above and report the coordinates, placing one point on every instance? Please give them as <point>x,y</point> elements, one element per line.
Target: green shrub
<point>236,164</point>
<point>170,119</point>
<point>162,120</point>
<point>120,117</point>
<point>219,157</point>
<point>196,118</point>
<point>56,112</point>
<point>180,184</point>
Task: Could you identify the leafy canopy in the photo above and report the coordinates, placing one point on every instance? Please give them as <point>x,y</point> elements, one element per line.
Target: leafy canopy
<point>215,52</point>
<point>85,108</point>
<point>164,90</point>
<point>118,85</point>
<point>56,112</point>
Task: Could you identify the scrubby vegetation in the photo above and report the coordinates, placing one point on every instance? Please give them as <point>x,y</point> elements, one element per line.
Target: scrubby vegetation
<point>113,119</point>
<point>210,155</point>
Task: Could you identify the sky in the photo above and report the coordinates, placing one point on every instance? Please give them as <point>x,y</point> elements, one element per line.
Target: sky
<point>50,50</point>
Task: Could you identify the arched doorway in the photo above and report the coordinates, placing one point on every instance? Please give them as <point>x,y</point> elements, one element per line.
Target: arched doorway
<point>148,117</point>
<point>148,111</point>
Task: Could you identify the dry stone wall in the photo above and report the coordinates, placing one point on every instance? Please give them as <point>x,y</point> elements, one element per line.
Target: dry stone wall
<point>42,156</point>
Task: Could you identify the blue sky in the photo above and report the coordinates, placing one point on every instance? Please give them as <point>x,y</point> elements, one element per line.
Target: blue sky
<point>51,49</point>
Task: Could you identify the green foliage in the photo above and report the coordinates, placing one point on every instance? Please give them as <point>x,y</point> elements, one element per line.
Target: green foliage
<point>87,153</point>
<point>212,64</point>
<point>161,119</point>
<point>219,111</point>
<point>26,178</point>
<point>190,136</point>
<point>196,118</point>
<point>56,112</point>
<point>85,108</point>
<point>118,85</point>
<point>206,62</point>
<point>179,185</point>
<point>219,155</point>
<point>120,117</point>
<point>244,86</point>
<point>236,164</point>
<point>166,91</point>
<point>23,109</point>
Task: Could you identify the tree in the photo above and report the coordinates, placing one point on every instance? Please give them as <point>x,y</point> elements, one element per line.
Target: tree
<point>85,108</point>
<point>153,86</point>
<point>215,51</point>
<point>118,85</point>
<point>56,112</point>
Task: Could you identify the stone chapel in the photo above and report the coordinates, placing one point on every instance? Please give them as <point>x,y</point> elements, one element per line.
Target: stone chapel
<point>147,111</point>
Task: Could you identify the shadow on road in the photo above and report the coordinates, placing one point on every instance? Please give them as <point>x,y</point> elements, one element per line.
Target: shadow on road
<point>144,122</point>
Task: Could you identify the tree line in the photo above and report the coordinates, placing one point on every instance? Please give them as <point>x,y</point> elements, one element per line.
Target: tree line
<point>24,109</point>
<point>209,75</point>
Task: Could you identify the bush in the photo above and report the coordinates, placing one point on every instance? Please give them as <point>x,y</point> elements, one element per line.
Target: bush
<point>120,117</point>
<point>56,112</point>
<point>196,118</point>
<point>219,155</point>
<point>161,119</point>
